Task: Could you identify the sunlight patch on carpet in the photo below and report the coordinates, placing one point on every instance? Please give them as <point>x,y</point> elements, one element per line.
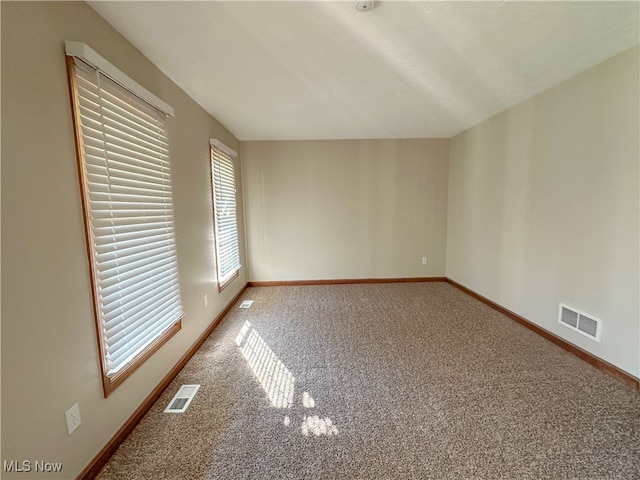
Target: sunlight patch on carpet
<point>274,377</point>
<point>278,382</point>
<point>316,426</point>
<point>307,400</point>
<point>243,331</point>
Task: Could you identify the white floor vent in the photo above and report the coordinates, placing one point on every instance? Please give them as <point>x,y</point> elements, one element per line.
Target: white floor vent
<point>182,399</point>
<point>581,322</point>
<point>246,304</point>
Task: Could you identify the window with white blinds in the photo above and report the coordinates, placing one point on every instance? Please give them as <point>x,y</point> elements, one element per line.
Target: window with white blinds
<point>224,205</point>
<point>123,158</point>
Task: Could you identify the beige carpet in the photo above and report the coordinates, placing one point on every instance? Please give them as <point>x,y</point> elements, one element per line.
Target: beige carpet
<point>384,381</point>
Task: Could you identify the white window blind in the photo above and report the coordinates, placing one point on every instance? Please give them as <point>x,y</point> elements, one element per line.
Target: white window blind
<point>224,205</point>
<point>126,179</point>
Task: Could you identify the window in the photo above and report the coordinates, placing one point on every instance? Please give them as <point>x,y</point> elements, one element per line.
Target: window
<point>123,162</point>
<point>223,183</point>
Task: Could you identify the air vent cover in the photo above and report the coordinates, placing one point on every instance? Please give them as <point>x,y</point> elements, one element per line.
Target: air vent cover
<point>182,399</point>
<point>246,304</point>
<point>583,323</point>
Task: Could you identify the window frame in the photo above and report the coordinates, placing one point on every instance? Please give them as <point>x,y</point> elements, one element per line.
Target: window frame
<point>79,51</point>
<point>217,148</point>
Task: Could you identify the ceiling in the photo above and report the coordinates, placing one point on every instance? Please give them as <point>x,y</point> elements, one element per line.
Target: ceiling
<point>322,70</point>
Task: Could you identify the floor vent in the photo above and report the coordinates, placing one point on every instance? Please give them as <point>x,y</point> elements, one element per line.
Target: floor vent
<point>182,399</point>
<point>246,304</point>
<point>581,322</point>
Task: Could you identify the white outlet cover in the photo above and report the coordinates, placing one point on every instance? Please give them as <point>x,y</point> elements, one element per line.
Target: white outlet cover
<point>73,418</point>
<point>205,300</point>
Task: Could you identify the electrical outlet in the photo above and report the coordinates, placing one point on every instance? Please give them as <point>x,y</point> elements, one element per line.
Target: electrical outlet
<point>424,260</point>
<point>73,418</point>
<point>205,300</point>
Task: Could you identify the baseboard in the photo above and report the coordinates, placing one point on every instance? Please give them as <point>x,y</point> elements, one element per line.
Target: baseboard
<point>577,351</point>
<point>345,281</point>
<point>92,470</point>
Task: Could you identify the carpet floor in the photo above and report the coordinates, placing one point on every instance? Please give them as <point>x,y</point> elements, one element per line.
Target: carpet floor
<point>384,381</point>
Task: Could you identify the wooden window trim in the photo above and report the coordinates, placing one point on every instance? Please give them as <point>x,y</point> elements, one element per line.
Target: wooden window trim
<point>228,281</point>
<point>109,382</point>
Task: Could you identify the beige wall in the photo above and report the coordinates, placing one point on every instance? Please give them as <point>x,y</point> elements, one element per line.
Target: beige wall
<point>49,354</point>
<point>543,207</point>
<point>345,208</point>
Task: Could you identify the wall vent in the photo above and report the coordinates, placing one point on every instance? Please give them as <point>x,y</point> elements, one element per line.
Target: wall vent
<point>583,323</point>
<point>182,399</point>
<point>246,303</point>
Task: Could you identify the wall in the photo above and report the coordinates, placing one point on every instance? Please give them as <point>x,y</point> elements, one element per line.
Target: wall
<point>49,353</point>
<point>543,207</point>
<point>345,208</point>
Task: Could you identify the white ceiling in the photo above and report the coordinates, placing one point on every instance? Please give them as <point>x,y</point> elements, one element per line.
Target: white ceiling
<point>322,70</point>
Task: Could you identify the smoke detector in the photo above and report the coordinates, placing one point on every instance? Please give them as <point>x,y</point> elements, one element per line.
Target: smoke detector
<point>364,5</point>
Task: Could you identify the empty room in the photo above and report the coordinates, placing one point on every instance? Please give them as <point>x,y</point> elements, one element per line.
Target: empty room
<point>320,240</point>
